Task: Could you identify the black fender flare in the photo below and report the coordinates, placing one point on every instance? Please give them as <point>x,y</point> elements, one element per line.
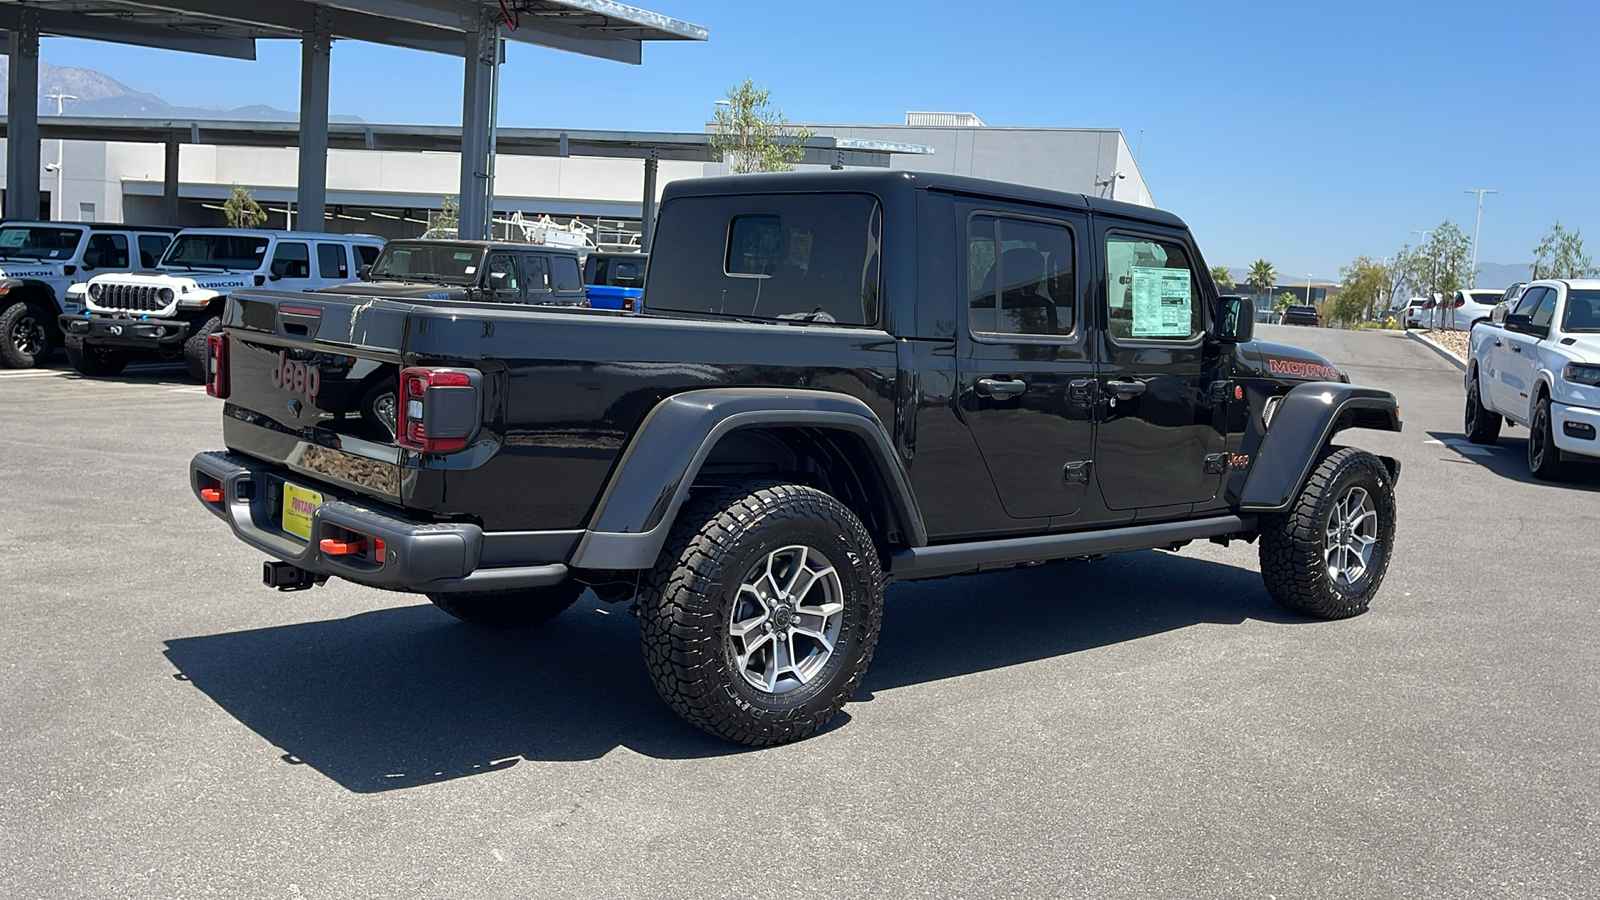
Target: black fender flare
<point>30,286</point>
<point>631,521</point>
<point>1306,419</point>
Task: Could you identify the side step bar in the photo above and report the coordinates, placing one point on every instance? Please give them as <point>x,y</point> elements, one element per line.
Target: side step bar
<point>955,559</point>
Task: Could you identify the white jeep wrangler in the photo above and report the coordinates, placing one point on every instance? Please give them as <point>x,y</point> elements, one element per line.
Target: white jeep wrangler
<point>171,311</point>
<point>40,263</point>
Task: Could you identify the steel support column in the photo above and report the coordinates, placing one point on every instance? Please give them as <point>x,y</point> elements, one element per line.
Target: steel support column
<point>22,117</point>
<point>479,85</point>
<point>169,183</point>
<point>315,51</point>
<point>647,219</point>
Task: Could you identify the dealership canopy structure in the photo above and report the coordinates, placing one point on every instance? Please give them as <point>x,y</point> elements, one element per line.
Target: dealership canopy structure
<point>471,29</point>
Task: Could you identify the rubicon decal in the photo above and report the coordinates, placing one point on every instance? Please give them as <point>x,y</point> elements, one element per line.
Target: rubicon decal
<point>296,377</point>
<point>1295,368</point>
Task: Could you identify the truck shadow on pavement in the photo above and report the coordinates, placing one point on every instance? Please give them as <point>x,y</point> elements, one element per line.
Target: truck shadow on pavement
<point>1508,458</point>
<point>406,696</point>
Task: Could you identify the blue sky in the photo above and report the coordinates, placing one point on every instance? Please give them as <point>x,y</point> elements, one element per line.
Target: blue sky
<point>1305,133</point>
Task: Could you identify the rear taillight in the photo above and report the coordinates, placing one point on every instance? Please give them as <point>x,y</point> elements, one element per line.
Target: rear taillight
<point>1460,303</point>
<point>439,409</point>
<point>217,364</point>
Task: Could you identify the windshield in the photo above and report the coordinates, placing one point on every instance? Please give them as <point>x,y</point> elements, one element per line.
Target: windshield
<point>1583,312</point>
<point>432,263</point>
<point>215,251</point>
<point>39,242</point>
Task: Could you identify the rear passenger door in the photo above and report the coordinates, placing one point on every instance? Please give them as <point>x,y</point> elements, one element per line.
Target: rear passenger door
<point>1161,434</point>
<point>1024,366</point>
<point>566,281</point>
<point>333,264</point>
<point>537,266</point>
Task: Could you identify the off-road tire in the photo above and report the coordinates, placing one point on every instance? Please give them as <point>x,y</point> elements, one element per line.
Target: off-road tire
<point>1544,457</point>
<point>688,601</point>
<point>94,360</point>
<point>194,348</point>
<point>511,609</point>
<point>1482,425</point>
<point>1293,562</point>
<point>43,332</point>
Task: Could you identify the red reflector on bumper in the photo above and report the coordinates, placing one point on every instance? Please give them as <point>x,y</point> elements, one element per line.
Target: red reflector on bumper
<point>332,547</point>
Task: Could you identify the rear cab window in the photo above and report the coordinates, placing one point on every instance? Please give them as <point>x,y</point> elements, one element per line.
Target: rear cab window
<point>769,257</point>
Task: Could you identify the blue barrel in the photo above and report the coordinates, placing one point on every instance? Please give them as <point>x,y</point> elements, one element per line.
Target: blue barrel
<point>605,296</point>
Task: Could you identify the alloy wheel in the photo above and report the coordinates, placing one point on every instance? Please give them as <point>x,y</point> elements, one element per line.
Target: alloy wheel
<point>28,335</point>
<point>1351,537</point>
<point>785,621</point>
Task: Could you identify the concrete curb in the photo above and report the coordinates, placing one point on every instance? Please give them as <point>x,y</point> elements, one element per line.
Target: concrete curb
<point>1454,360</point>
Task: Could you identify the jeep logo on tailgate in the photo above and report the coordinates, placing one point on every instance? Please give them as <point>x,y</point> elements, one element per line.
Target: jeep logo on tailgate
<point>296,377</point>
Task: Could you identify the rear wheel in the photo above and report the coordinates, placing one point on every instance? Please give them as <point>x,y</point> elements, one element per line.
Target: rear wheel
<point>194,348</point>
<point>93,359</point>
<point>1483,426</point>
<point>1327,555</point>
<point>506,610</point>
<point>27,335</point>
<point>1544,457</point>
<point>762,613</point>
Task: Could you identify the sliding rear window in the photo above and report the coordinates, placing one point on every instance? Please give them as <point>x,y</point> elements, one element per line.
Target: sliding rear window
<point>779,257</point>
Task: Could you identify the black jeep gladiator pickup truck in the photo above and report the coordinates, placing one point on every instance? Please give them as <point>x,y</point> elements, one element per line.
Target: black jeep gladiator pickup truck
<point>842,380</point>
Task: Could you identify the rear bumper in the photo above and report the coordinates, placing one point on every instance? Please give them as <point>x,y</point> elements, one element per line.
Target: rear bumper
<point>427,557</point>
<point>128,331</point>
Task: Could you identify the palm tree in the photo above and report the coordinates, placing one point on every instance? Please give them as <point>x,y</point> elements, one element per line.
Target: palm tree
<point>1262,277</point>
<point>1223,278</point>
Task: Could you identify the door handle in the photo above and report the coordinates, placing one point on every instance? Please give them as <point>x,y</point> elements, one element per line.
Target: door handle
<point>1515,349</point>
<point>1498,343</point>
<point>1125,390</point>
<point>1001,387</point>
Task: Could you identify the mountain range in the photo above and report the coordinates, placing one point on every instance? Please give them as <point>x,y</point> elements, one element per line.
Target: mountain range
<point>1490,275</point>
<point>98,94</point>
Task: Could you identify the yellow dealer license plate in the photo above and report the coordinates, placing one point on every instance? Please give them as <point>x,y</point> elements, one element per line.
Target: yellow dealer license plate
<point>298,505</point>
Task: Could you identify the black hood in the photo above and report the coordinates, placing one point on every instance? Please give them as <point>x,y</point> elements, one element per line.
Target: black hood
<point>1286,363</point>
<point>399,290</point>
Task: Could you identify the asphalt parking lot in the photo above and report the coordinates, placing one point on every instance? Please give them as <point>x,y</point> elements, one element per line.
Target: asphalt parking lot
<point>1149,725</point>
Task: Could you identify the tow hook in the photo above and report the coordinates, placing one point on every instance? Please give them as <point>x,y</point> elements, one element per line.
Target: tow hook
<point>288,577</point>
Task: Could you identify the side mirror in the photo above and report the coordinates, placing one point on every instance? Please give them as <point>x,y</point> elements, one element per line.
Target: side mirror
<point>1519,322</point>
<point>279,269</point>
<point>91,260</point>
<point>1237,322</point>
<point>499,281</point>
<point>363,273</point>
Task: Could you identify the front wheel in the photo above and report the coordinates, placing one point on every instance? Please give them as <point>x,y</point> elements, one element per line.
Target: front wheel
<point>762,613</point>
<point>1326,556</point>
<point>27,335</point>
<point>1544,457</point>
<point>194,348</point>
<point>93,359</point>
<point>1483,426</point>
<point>509,609</point>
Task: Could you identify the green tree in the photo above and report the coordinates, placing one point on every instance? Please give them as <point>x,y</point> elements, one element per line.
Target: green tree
<point>1286,299</point>
<point>1262,277</point>
<point>1366,284</point>
<point>1222,278</point>
<point>1560,255</point>
<point>241,209</point>
<point>1398,274</point>
<point>449,217</point>
<point>1442,264</point>
<point>752,136</point>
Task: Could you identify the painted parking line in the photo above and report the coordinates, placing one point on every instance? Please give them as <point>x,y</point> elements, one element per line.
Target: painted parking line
<point>26,373</point>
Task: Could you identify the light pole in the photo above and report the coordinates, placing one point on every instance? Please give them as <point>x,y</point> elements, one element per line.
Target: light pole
<point>1473,277</point>
<point>61,150</point>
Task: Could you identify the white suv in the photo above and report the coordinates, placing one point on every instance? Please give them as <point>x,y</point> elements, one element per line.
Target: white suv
<point>171,311</point>
<point>1541,369</point>
<point>40,263</point>
<point>1465,309</point>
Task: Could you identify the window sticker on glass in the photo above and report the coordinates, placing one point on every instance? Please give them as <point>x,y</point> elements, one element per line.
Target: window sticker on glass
<point>464,255</point>
<point>1161,302</point>
<point>261,249</point>
<point>13,237</point>
<point>470,270</point>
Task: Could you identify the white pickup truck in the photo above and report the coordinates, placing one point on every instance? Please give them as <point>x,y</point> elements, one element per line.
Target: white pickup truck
<point>1540,369</point>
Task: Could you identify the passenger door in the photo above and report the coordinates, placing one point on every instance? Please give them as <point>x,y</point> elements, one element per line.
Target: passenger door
<point>1161,434</point>
<point>1025,373</point>
<point>1518,359</point>
<point>291,264</point>
<point>537,267</point>
<point>502,263</point>
<point>151,248</point>
<point>333,265</point>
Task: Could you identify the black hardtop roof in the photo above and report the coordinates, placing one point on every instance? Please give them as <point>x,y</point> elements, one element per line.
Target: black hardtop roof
<point>92,226</point>
<point>887,181</point>
<point>484,245</point>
